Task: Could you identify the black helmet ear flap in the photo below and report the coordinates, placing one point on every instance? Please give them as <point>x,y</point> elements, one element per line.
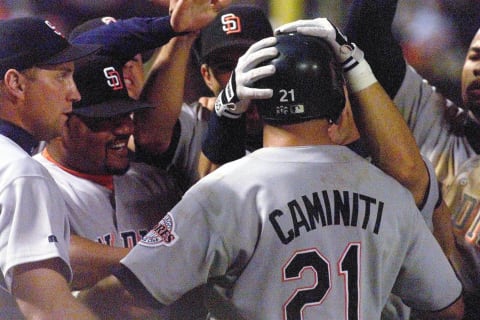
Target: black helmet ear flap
<point>308,82</point>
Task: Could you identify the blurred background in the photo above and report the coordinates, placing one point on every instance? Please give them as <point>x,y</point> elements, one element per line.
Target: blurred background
<point>435,34</point>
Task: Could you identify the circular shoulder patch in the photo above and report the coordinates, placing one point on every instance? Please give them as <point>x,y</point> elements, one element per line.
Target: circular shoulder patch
<point>162,234</point>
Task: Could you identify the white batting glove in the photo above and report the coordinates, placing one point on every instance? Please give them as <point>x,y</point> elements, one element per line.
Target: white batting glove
<point>356,69</point>
<point>235,98</point>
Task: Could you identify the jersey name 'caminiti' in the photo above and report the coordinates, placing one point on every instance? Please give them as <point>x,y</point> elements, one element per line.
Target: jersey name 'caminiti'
<point>328,208</point>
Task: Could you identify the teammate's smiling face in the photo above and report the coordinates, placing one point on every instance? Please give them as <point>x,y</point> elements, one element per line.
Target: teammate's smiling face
<point>98,145</point>
<point>471,77</point>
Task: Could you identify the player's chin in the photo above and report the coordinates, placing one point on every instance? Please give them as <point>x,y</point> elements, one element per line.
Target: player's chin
<point>116,168</point>
<point>117,163</point>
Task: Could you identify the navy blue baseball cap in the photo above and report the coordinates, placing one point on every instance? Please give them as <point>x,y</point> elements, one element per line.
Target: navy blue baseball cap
<point>82,29</point>
<point>31,41</point>
<point>235,26</point>
<point>99,80</point>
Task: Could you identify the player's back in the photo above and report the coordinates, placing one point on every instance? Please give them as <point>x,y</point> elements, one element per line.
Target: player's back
<point>297,233</point>
<point>326,234</point>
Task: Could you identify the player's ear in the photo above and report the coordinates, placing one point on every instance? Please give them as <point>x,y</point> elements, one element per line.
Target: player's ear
<point>207,76</point>
<point>15,83</point>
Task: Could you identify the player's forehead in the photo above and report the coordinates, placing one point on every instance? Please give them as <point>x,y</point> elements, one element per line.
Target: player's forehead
<point>64,67</point>
<point>475,43</point>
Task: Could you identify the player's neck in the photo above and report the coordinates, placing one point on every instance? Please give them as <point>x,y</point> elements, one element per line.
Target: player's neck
<point>314,132</point>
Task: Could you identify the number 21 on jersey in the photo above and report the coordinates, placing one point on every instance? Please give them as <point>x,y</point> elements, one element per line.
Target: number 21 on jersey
<point>348,267</point>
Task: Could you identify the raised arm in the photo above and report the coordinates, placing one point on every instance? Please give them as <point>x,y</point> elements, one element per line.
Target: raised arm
<point>391,144</point>
<point>163,89</point>
<point>125,38</point>
<point>369,25</point>
<point>387,136</point>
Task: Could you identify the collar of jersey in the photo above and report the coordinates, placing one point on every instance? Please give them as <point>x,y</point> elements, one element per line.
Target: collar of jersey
<point>101,179</point>
<point>21,137</point>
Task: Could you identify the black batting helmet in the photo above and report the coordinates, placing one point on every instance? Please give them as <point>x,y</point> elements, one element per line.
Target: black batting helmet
<point>307,84</point>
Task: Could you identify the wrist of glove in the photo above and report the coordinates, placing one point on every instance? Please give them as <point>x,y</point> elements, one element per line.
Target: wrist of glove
<point>357,71</point>
<point>228,104</point>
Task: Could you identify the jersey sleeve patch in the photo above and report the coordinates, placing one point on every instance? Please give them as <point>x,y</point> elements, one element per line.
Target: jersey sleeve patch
<point>163,234</point>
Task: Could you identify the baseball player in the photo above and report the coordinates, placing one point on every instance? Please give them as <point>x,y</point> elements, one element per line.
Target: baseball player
<point>227,138</point>
<point>36,92</point>
<point>463,198</point>
<point>111,201</point>
<point>389,151</point>
<point>133,70</point>
<point>92,153</point>
<point>172,131</point>
<point>82,161</point>
<point>229,135</point>
<point>441,214</point>
<point>218,48</point>
<point>332,236</point>
<point>427,112</point>
<point>445,133</point>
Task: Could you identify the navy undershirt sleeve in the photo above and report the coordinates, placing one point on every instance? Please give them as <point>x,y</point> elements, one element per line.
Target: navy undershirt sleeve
<point>369,26</point>
<point>225,139</point>
<point>125,38</point>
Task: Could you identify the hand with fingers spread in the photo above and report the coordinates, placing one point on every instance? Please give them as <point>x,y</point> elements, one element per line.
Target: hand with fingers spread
<point>192,15</point>
<point>357,71</point>
<point>235,98</point>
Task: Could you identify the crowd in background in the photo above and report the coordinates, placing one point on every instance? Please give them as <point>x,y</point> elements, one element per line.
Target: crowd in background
<point>431,31</point>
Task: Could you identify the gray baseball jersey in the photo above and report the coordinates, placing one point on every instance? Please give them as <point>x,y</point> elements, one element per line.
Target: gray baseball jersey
<point>122,215</point>
<point>33,221</point>
<point>423,108</point>
<point>193,121</point>
<point>463,197</point>
<point>297,233</point>
<point>140,199</point>
<point>118,218</point>
<point>395,308</point>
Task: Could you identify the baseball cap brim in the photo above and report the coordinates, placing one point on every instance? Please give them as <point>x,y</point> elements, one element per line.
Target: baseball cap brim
<point>112,108</point>
<point>71,53</point>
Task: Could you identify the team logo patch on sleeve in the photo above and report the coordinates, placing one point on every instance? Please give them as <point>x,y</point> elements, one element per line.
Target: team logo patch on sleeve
<point>162,235</point>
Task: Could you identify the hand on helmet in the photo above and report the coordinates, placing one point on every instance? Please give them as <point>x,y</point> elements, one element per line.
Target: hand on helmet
<point>356,69</point>
<point>347,53</point>
<point>235,98</point>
